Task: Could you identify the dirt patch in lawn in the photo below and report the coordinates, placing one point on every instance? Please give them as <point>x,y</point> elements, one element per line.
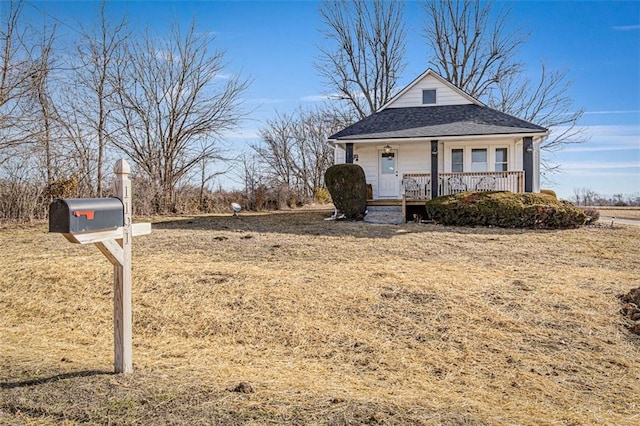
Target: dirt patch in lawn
<point>290,319</point>
<point>631,309</point>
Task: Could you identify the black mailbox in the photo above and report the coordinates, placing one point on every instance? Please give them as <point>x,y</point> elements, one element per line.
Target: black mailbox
<point>76,215</point>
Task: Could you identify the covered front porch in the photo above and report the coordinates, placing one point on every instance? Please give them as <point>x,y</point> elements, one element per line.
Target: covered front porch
<point>416,188</point>
<point>421,170</point>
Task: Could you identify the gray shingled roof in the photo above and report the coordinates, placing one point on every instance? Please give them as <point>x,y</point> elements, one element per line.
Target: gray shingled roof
<point>434,122</point>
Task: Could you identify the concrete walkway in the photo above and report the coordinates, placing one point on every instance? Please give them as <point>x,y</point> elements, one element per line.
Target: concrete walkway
<point>606,220</point>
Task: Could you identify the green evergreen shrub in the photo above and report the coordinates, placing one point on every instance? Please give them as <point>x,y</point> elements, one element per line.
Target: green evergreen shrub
<point>348,188</point>
<point>505,210</point>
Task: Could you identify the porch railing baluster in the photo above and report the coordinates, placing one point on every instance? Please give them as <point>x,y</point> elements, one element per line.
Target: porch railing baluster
<point>417,186</point>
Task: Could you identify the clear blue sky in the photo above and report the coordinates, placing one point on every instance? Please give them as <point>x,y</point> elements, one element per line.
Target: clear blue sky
<point>274,43</point>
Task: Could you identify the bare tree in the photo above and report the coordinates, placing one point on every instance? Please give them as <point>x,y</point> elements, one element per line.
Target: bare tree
<point>203,176</point>
<point>365,57</point>
<point>545,102</point>
<point>475,47</point>
<point>98,54</point>
<point>80,154</point>
<point>316,155</point>
<point>45,116</point>
<point>15,66</point>
<point>250,172</point>
<point>295,151</point>
<point>277,149</point>
<point>471,48</point>
<point>170,110</point>
<point>25,138</point>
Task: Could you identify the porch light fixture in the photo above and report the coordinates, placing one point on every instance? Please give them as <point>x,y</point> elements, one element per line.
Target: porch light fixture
<point>530,149</point>
<point>387,149</point>
<point>355,157</point>
<point>434,151</point>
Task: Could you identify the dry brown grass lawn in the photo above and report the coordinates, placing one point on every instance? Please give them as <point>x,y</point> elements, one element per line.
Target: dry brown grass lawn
<point>290,319</point>
<point>620,212</point>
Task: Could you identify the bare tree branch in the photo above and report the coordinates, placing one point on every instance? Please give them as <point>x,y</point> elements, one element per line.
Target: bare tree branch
<point>475,47</point>
<point>545,102</point>
<point>472,48</point>
<point>45,114</point>
<point>98,53</point>
<point>15,78</point>
<point>171,111</point>
<point>295,151</point>
<point>365,54</point>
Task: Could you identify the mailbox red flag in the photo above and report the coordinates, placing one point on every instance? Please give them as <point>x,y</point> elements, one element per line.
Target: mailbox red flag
<point>87,213</point>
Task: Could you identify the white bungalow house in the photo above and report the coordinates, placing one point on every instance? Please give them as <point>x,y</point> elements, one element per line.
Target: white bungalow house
<point>434,139</point>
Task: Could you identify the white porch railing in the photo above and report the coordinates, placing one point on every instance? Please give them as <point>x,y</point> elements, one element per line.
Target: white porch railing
<point>417,186</point>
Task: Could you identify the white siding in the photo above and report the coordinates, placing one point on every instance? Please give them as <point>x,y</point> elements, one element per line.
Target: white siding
<point>517,163</point>
<point>444,95</point>
<point>339,154</point>
<point>368,160</point>
<point>415,158</point>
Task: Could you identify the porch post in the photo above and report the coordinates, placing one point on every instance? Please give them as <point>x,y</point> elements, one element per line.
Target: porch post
<point>349,153</point>
<point>434,168</point>
<point>527,163</point>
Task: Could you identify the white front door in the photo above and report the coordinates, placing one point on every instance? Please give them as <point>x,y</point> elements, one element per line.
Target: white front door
<point>388,181</point>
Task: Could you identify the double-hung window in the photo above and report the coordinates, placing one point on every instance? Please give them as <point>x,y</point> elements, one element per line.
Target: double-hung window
<point>501,164</point>
<point>479,160</point>
<point>457,160</point>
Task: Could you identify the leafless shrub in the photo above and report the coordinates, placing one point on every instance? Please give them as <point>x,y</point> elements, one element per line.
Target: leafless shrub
<point>22,197</point>
<point>592,215</point>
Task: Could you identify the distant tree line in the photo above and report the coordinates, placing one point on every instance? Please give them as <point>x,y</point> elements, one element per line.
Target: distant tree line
<point>589,197</point>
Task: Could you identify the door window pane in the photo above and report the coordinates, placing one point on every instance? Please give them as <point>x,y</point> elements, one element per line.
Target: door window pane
<point>501,160</point>
<point>457,160</point>
<point>478,160</point>
<point>388,163</point>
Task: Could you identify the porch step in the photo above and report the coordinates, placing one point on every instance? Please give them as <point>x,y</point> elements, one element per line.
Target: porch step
<point>384,214</point>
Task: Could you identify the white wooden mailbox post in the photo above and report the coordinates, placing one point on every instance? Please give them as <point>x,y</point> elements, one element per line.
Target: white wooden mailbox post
<point>115,244</point>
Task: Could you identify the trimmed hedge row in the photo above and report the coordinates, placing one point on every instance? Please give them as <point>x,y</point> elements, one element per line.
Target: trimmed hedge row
<point>505,210</point>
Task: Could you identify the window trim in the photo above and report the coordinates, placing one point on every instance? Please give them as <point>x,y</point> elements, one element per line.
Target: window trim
<point>435,96</point>
<point>461,164</point>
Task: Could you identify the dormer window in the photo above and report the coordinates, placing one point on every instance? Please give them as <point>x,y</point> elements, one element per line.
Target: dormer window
<point>429,97</point>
